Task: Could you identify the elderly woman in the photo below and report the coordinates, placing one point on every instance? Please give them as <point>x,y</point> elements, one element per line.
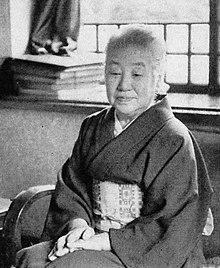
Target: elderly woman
<point>135,192</point>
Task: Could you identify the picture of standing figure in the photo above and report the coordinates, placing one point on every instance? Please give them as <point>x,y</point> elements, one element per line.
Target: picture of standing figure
<point>55,27</point>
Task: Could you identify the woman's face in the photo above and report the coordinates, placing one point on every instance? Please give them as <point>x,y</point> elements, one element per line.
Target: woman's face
<point>130,81</point>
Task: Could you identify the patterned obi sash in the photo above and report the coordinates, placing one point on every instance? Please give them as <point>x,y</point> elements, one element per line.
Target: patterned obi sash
<point>115,205</point>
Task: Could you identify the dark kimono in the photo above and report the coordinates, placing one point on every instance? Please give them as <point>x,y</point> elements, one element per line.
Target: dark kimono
<point>159,154</point>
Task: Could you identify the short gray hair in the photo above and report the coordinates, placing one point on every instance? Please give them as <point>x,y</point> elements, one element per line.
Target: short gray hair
<point>142,36</point>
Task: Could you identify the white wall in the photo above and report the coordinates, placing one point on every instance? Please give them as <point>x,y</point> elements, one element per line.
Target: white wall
<point>14,27</point>
<point>20,12</point>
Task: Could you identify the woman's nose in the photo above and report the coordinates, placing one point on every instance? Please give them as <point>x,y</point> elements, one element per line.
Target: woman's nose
<point>125,83</point>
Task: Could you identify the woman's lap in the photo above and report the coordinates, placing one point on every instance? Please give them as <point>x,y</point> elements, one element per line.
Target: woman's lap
<point>87,259</point>
<point>36,257</point>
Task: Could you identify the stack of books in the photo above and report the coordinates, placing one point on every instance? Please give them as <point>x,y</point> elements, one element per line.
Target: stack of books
<point>52,76</point>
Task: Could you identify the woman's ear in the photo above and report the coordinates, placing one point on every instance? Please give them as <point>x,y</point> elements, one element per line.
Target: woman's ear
<point>159,83</point>
<point>161,86</point>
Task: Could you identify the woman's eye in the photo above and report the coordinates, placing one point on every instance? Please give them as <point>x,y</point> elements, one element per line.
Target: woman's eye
<point>115,73</point>
<point>137,74</point>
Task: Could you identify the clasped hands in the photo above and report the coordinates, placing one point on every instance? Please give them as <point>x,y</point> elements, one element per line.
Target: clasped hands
<point>81,236</point>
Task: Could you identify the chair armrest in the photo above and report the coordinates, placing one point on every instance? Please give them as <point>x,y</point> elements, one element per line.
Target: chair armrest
<point>12,227</point>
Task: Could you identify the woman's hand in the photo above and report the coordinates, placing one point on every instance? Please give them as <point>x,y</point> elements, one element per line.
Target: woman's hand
<point>95,242</point>
<point>79,230</point>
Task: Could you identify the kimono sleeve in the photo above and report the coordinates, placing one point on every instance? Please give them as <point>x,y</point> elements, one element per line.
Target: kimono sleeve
<point>167,236</point>
<point>71,198</point>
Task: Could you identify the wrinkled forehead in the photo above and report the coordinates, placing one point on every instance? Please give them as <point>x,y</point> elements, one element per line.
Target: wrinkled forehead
<point>131,53</point>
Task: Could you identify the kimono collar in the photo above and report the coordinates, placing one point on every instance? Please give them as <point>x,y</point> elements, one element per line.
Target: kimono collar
<point>118,127</point>
<point>112,148</point>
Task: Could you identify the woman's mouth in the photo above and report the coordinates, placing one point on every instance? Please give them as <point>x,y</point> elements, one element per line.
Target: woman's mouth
<point>124,99</point>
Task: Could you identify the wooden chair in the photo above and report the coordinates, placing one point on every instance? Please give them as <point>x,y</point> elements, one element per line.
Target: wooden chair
<point>24,222</point>
<point>25,219</point>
